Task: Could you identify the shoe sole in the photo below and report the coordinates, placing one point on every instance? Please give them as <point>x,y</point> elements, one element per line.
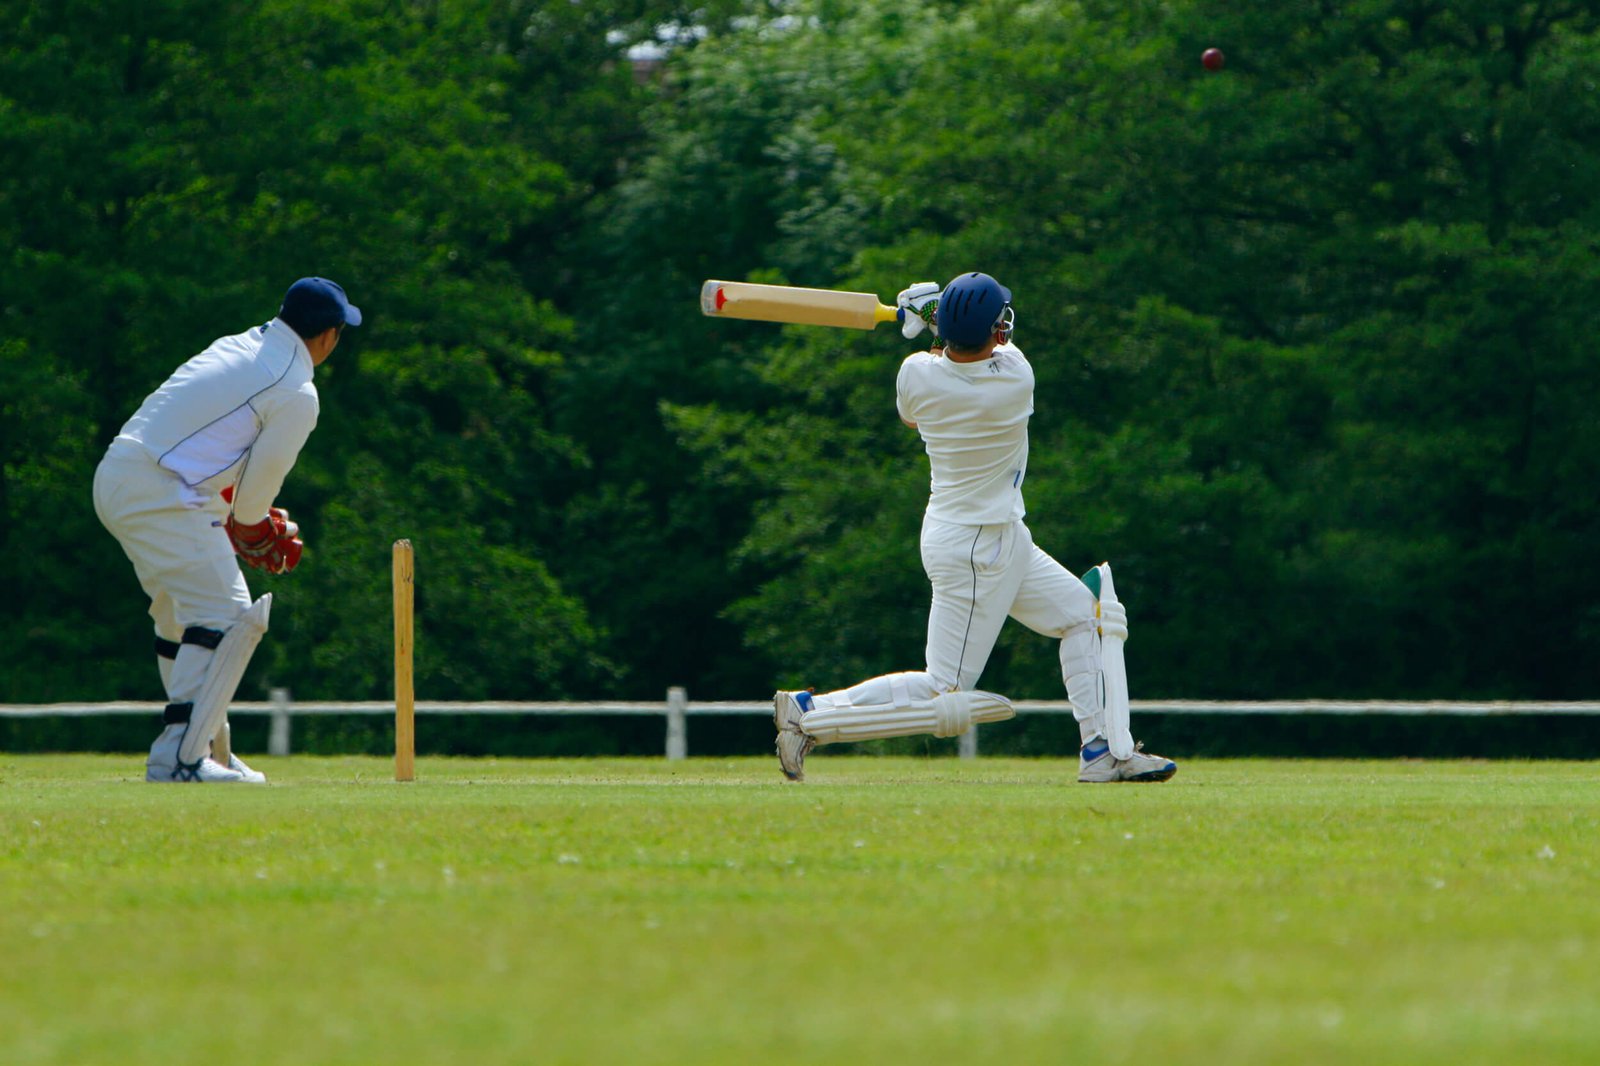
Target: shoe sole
<point>1164,774</point>
<point>166,778</point>
<point>800,775</point>
<point>777,745</point>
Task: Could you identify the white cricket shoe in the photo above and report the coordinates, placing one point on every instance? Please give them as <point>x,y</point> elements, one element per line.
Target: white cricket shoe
<point>793,741</point>
<point>207,770</point>
<point>251,777</point>
<point>1096,765</point>
<point>163,764</point>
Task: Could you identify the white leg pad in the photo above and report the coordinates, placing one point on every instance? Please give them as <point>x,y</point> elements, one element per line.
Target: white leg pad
<point>1096,672</point>
<point>1113,668</point>
<point>948,714</point>
<point>222,743</point>
<point>223,675</point>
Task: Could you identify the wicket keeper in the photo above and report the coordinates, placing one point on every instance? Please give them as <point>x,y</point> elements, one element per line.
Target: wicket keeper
<point>189,483</point>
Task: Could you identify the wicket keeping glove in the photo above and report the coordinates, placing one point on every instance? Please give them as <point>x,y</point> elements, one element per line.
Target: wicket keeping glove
<point>272,544</point>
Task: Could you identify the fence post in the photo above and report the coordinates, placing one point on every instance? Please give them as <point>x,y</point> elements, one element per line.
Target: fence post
<point>967,744</point>
<point>677,723</point>
<point>278,733</point>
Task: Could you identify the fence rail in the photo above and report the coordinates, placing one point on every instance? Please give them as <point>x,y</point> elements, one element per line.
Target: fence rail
<point>677,708</point>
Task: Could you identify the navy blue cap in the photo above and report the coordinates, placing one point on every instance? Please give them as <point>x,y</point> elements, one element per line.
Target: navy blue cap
<point>313,305</point>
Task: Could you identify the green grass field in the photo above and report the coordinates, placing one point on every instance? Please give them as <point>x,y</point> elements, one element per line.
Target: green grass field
<point>890,910</point>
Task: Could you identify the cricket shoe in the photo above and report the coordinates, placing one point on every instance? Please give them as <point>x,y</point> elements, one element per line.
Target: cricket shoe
<point>163,764</point>
<point>207,771</point>
<point>793,741</point>
<point>1096,765</point>
<point>251,777</point>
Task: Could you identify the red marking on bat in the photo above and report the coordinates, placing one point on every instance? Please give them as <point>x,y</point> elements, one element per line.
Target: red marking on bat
<point>722,297</point>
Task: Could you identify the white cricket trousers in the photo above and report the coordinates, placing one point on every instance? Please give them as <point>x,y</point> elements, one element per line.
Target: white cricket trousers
<point>180,553</point>
<point>981,575</point>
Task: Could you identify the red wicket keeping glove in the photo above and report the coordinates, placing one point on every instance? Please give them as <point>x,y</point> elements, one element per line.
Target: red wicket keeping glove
<point>272,544</point>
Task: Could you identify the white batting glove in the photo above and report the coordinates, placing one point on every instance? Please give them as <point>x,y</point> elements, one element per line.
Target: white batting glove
<point>918,304</point>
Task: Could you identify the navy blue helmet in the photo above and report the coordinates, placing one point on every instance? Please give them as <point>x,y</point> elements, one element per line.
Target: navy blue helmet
<point>971,308</point>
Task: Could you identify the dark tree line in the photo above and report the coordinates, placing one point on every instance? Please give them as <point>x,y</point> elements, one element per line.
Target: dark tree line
<point>1314,334</point>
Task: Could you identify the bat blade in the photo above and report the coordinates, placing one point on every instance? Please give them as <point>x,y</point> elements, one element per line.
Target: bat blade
<point>786,303</point>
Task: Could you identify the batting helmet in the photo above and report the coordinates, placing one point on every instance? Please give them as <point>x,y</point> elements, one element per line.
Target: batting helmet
<point>971,308</point>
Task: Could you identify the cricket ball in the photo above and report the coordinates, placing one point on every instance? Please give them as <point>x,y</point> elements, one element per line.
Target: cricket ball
<point>1212,59</point>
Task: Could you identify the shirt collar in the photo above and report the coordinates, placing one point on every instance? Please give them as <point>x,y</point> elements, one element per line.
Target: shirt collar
<point>280,332</point>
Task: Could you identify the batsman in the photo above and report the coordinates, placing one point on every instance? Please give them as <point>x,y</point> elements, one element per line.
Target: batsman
<point>970,397</point>
<point>188,483</point>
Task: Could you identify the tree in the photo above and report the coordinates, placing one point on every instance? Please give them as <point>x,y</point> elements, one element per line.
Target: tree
<point>1309,341</point>
<point>389,148</point>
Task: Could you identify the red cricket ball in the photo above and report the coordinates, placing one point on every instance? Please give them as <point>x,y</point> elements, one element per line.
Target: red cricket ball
<point>1212,59</point>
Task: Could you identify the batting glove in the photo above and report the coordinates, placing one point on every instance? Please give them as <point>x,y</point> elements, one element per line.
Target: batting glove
<point>918,304</point>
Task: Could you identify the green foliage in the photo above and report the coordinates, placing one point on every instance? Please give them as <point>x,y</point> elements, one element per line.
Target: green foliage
<point>1313,334</point>
<point>408,152</point>
<point>1308,336</point>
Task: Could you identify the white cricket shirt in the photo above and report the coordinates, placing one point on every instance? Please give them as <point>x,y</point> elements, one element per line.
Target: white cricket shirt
<point>243,407</point>
<point>973,418</point>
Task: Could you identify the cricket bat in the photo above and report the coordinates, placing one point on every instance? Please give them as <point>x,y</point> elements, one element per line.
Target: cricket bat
<point>785,303</point>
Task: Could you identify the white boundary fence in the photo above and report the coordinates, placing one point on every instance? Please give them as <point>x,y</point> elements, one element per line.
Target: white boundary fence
<point>677,709</point>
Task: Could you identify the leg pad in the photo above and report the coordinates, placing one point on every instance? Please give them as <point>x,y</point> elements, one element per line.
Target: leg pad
<point>223,673</point>
<point>948,714</point>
